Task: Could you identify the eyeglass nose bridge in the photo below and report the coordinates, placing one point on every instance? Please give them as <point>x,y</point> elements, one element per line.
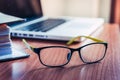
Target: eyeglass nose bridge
<point>78,52</point>
<point>69,54</point>
<point>73,50</point>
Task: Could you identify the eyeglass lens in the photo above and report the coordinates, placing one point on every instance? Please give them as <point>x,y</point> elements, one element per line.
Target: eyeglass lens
<point>92,53</point>
<point>55,56</point>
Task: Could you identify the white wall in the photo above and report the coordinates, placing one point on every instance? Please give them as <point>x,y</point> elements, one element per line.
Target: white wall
<point>80,8</point>
<point>53,7</point>
<point>104,9</point>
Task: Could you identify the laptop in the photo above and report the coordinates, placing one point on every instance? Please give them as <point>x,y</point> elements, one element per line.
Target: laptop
<point>41,27</point>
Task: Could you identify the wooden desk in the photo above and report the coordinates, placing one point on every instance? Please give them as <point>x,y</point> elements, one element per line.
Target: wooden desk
<point>31,69</point>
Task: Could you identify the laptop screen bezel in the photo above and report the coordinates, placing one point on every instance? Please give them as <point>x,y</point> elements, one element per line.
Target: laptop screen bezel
<point>29,17</point>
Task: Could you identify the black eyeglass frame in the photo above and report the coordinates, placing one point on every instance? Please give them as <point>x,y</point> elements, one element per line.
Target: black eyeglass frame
<point>38,50</point>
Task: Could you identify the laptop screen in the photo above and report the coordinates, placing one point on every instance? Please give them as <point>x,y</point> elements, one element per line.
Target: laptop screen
<point>28,9</point>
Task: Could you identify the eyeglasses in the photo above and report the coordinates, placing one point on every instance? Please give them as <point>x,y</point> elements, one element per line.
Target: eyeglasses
<point>58,56</point>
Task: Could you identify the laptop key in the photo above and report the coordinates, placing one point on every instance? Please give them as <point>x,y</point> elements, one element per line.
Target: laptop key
<point>43,26</point>
<point>50,25</point>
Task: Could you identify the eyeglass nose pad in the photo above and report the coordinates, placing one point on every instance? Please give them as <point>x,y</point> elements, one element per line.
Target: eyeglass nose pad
<point>68,56</point>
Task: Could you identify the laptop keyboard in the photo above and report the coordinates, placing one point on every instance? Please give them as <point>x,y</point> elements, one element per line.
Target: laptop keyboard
<point>43,26</point>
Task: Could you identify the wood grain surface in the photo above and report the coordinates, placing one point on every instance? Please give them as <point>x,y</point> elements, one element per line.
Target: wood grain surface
<point>31,69</point>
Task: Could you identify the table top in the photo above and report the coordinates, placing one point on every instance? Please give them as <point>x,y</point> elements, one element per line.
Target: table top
<point>31,69</point>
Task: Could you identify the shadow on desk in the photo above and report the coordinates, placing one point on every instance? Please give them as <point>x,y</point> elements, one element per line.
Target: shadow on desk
<point>61,73</point>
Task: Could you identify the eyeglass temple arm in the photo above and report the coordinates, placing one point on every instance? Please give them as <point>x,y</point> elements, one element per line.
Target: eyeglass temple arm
<point>68,43</point>
<point>27,45</point>
<point>78,37</point>
<point>36,50</point>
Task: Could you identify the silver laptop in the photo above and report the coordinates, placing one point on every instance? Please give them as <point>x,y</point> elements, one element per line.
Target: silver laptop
<point>41,27</point>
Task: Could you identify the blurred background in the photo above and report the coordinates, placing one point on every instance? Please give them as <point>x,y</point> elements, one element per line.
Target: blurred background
<point>78,8</point>
<point>83,8</point>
